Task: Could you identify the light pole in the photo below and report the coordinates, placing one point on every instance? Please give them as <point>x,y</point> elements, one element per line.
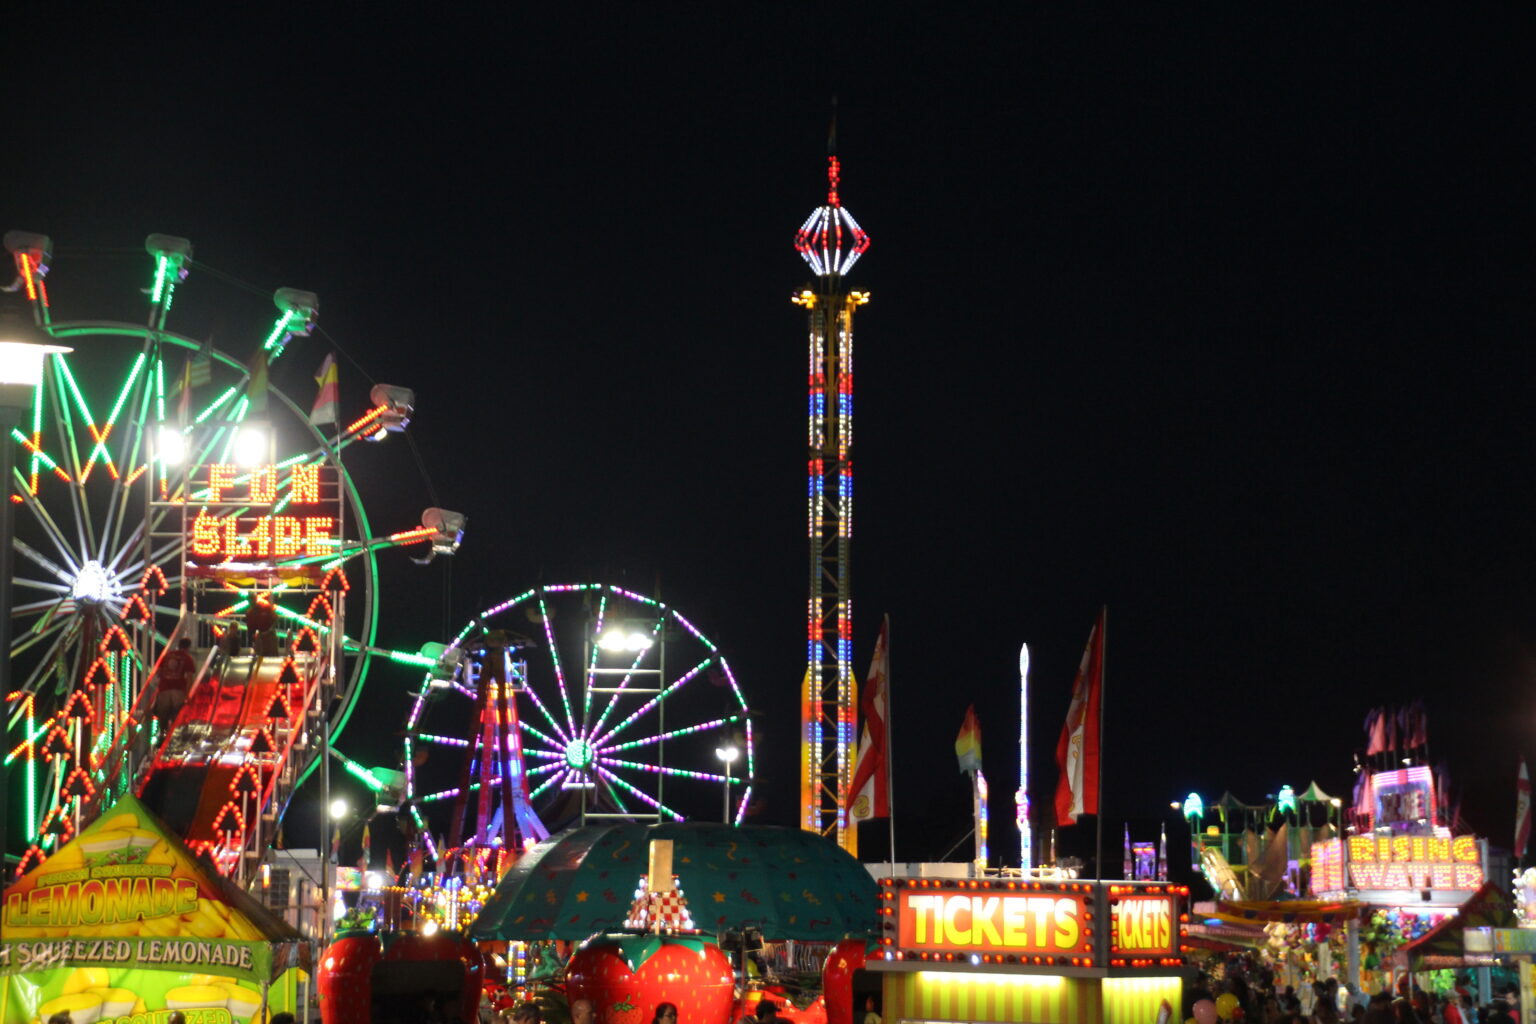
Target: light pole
<point>728,753</point>
<point>337,811</point>
<point>21,371</point>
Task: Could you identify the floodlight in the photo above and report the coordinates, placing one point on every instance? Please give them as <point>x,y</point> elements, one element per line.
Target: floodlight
<point>253,445</point>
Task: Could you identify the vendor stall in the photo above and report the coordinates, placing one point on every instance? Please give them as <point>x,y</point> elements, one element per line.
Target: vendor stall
<point>1071,952</point>
<point>123,921</point>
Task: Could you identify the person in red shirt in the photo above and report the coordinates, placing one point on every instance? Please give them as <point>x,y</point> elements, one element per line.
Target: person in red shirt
<point>175,677</point>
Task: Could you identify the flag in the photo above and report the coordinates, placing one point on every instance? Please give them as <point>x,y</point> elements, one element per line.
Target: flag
<point>256,388</point>
<point>1418,725</point>
<point>1077,751</point>
<point>968,743</point>
<point>200,372</point>
<point>184,403</point>
<point>1375,732</point>
<point>1522,812</point>
<point>869,793</point>
<point>327,407</point>
<point>365,855</point>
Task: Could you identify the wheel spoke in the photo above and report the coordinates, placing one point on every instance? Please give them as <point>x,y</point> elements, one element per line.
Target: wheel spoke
<point>654,701</point>
<point>61,545</point>
<point>554,657</point>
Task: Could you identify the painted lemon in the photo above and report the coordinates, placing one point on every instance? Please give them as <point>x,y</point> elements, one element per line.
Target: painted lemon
<point>243,1002</point>
<point>82,978</point>
<point>115,1002</point>
<point>82,1007</point>
<point>196,997</point>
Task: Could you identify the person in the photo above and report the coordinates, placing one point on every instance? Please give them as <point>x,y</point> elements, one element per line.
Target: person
<point>260,621</point>
<point>871,1012</point>
<point>62,1017</point>
<point>581,1012</point>
<point>176,1017</point>
<point>767,1009</point>
<point>283,1018</point>
<point>666,1013</point>
<point>526,1013</point>
<point>176,670</point>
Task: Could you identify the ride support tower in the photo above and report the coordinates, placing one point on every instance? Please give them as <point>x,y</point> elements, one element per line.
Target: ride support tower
<point>831,241</point>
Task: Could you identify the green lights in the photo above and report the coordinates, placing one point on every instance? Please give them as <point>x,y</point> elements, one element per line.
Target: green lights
<point>161,266</point>
<point>579,755</point>
<point>279,329</point>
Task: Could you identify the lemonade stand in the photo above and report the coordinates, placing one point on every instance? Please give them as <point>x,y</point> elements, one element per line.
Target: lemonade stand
<point>123,925</point>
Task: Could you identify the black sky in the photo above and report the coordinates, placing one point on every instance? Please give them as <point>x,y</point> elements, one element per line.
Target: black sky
<point>1221,319</point>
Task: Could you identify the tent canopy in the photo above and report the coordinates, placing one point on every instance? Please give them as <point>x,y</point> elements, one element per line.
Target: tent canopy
<point>788,883</point>
<point>1314,793</point>
<point>128,879</point>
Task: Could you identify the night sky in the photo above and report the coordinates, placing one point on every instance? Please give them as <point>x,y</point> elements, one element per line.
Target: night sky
<point>1221,320</point>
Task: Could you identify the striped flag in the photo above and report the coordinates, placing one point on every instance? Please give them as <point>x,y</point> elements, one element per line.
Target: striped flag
<point>256,389</point>
<point>1077,751</point>
<point>327,407</point>
<point>1522,812</point>
<point>200,370</point>
<point>870,787</point>
<point>968,743</point>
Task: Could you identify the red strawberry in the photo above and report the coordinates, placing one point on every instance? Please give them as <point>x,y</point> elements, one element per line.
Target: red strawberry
<point>627,975</point>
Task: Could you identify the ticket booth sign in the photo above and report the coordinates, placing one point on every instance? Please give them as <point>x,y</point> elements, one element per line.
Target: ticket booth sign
<point>962,920</point>
<point>1143,925</point>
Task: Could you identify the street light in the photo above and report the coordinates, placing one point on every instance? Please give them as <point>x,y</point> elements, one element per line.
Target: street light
<point>339,810</point>
<point>22,352</point>
<point>728,753</point>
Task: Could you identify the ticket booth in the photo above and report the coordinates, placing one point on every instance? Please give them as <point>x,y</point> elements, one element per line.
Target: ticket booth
<point>1042,952</point>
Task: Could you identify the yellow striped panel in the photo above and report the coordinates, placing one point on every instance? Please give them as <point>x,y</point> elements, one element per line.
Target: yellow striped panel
<point>961,996</point>
<point>1137,1000</point>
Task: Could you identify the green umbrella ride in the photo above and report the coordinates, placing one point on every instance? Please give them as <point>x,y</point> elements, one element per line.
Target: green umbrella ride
<point>788,883</point>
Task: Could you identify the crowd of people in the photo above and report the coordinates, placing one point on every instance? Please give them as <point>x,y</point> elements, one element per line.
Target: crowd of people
<point>1247,993</point>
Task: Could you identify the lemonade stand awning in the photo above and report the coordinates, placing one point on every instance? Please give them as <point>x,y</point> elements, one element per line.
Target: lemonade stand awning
<point>125,915</point>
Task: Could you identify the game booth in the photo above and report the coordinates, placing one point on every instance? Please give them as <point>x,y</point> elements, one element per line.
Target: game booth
<point>1048,952</point>
<point>124,923</point>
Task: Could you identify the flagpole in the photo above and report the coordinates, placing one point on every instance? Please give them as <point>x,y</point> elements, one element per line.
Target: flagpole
<point>890,785</point>
<point>1098,837</point>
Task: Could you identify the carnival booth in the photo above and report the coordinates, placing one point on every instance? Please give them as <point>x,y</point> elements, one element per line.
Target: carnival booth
<point>678,912</point>
<point>1067,952</point>
<point>123,921</point>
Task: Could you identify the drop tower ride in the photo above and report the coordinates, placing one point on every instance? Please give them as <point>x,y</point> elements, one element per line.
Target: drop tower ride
<point>831,241</point>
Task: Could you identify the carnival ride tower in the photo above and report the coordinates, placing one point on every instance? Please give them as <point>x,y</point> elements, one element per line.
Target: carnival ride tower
<point>831,241</point>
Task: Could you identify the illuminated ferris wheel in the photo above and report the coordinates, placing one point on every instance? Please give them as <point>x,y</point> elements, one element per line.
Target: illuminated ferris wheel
<point>574,703</point>
<point>105,477</point>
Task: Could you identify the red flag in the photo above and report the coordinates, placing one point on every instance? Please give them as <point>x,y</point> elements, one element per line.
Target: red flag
<point>1375,732</point>
<point>1077,752</point>
<point>1522,812</point>
<point>869,793</point>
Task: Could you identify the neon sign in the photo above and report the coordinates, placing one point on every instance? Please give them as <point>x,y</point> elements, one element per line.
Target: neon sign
<point>1143,924</point>
<point>242,516</point>
<point>1387,863</point>
<point>1051,923</point>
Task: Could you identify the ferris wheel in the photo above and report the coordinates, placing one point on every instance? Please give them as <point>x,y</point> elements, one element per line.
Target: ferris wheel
<point>103,581</point>
<point>573,703</point>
